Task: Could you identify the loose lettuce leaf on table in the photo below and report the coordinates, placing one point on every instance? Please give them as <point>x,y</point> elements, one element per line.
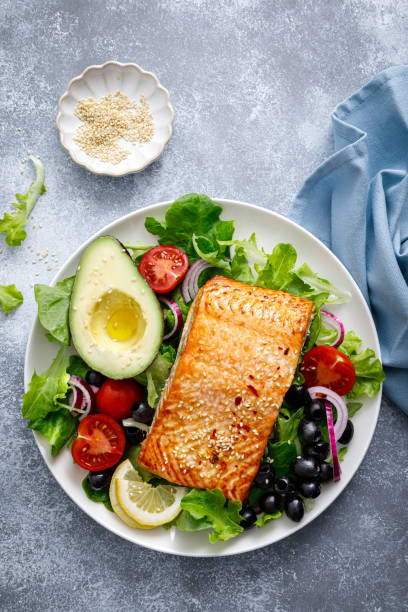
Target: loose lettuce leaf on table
<point>57,426</point>
<point>13,223</point>
<point>210,507</point>
<point>369,371</point>
<point>47,388</point>
<point>53,309</point>
<point>10,297</point>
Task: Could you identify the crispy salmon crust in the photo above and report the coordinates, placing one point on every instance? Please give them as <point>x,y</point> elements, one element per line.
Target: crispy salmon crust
<point>236,360</point>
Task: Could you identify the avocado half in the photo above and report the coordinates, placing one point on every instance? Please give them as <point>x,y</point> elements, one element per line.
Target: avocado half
<point>115,318</point>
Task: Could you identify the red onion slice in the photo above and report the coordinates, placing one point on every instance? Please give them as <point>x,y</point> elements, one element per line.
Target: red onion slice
<point>75,399</point>
<point>88,400</point>
<point>329,319</point>
<point>178,316</point>
<point>338,402</point>
<point>189,287</point>
<point>94,388</point>
<point>333,446</point>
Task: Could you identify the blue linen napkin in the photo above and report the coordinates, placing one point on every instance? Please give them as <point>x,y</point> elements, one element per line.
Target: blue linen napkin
<point>357,204</point>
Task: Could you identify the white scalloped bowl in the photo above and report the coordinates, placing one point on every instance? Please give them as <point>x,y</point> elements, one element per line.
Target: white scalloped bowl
<point>129,79</point>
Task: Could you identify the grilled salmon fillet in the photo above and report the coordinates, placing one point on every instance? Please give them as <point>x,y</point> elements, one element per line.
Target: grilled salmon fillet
<point>236,360</point>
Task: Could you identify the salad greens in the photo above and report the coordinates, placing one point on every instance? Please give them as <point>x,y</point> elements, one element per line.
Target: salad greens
<point>10,297</point>
<point>155,376</point>
<point>53,309</point>
<point>77,366</point>
<point>13,223</point>
<point>47,389</point>
<point>57,426</point>
<point>192,223</point>
<point>210,508</point>
<point>97,496</point>
<point>369,372</point>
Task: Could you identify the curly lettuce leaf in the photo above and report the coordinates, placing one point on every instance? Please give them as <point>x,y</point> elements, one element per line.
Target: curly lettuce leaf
<point>10,297</point>
<point>57,426</point>
<point>265,518</point>
<point>211,506</point>
<point>369,371</point>
<point>46,389</point>
<point>275,274</point>
<point>13,223</point>
<point>193,214</point>
<point>252,252</point>
<point>53,309</point>
<point>204,248</point>
<point>321,285</point>
<point>154,378</point>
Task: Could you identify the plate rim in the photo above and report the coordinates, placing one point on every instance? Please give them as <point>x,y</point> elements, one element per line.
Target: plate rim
<point>144,211</point>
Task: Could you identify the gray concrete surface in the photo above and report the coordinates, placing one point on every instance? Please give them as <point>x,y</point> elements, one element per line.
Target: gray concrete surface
<point>252,83</point>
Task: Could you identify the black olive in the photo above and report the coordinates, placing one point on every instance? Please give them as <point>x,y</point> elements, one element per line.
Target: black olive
<point>316,410</point>
<point>142,412</point>
<point>297,396</point>
<point>99,480</point>
<point>248,517</point>
<point>319,449</point>
<point>295,509</point>
<point>134,435</point>
<point>284,485</point>
<point>95,378</point>
<point>309,431</point>
<point>265,476</point>
<point>347,434</point>
<point>270,503</point>
<point>309,489</point>
<point>306,468</point>
<point>326,472</point>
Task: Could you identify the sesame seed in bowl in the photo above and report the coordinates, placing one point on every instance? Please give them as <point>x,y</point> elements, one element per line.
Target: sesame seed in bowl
<point>115,118</point>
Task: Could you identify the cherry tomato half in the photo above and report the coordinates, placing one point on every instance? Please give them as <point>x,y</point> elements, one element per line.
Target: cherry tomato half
<point>328,367</point>
<point>100,443</point>
<point>164,267</point>
<point>115,398</point>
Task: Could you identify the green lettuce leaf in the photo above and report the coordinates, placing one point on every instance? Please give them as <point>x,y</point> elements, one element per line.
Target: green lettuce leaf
<point>353,408</point>
<point>336,296</point>
<point>10,297</point>
<point>13,223</point>
<point>154,378</point>
<point>253,254</point>
<point>186,522</point>
<point>204,248</point>
<point>326,335</point>
<point>77,366</point>
<point>57,426</point>
<point>288,424</point>
<point>137,249</point>
<point>211,505</point>
<point>53,309</point>
<point>97,496</point>
<point>240,267</point>
<point>369,371</point>
<point>192,214</point>
<point>275,274</point>
<point>282,454</point>
<point>45,389</point>
<point>265,518</point>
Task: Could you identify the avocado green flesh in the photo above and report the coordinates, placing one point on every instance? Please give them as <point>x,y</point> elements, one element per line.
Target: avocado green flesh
<point>115,318</point>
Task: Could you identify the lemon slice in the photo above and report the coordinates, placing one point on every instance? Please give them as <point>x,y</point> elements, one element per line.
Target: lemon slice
<point>146,506</point>
<point>120,471</point>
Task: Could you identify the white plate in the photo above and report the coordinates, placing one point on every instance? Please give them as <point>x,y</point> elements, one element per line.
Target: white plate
<point>270,228</point>
<point>129,79</point>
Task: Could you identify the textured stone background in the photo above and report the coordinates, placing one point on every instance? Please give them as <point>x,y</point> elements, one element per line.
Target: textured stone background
<point>252,83</point>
